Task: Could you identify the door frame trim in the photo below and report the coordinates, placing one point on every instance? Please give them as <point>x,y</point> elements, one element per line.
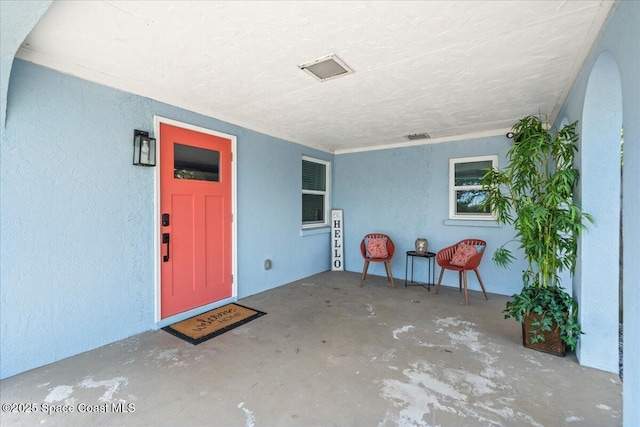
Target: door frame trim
<point>157,244</point>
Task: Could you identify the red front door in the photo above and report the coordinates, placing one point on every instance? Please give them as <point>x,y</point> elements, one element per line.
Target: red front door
<point>195,202</point>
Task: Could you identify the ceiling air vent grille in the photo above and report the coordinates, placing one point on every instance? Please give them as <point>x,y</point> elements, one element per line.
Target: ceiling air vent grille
<point>326,68</point>
<point>416,136</point>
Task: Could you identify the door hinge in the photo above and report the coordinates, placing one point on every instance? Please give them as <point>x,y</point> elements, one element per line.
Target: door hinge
<point>232,156</point>
<point>232,278</point>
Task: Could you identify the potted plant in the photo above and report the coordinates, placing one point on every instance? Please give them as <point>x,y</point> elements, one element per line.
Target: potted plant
<point>534,193</point>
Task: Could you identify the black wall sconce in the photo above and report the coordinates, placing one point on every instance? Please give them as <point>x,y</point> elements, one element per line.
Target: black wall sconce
<point>516,138</point>
<point>144,149</point>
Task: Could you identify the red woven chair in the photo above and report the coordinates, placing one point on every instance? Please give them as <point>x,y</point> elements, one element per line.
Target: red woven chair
<point>377,247</point>
<point>465,262</point>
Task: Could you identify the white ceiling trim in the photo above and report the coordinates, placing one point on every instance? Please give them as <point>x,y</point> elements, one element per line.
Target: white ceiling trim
<point>462,137</point>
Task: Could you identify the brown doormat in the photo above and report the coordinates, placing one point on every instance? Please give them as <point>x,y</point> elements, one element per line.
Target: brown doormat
<point>207,325</point>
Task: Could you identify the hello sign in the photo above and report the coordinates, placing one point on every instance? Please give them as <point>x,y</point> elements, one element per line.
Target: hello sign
<point>337,259</point>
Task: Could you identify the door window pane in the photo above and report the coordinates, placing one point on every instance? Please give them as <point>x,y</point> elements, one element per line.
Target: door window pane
<point>195,163</point>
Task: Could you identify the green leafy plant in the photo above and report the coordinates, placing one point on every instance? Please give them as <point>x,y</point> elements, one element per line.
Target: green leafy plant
<point>534,193</point>
<point>553,304</point>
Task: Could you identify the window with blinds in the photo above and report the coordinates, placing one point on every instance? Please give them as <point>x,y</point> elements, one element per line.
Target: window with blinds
<point>466,196</point>
<point>315,193</point>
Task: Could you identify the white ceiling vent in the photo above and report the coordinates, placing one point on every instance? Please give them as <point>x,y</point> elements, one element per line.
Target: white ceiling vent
<point>415,136</point>
<point>326,68</point>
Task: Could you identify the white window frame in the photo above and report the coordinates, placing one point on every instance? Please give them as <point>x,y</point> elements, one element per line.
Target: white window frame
<point>326,194</point>
<point>453,214</point>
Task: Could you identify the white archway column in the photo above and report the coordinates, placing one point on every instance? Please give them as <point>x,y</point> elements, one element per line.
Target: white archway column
<point>597,275</point>
<point>18,19</point>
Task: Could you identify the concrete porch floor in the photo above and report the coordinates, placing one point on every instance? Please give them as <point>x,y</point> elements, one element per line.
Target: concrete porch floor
<point>328,353</point>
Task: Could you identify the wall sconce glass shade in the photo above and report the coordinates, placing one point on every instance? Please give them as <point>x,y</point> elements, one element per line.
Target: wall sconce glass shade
<point>144,149</point>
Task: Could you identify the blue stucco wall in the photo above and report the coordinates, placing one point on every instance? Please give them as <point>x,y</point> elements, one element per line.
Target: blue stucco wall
<point>269,217</point>
<point>620,41</point>
<point>404,192</point>
<point>76,217</point>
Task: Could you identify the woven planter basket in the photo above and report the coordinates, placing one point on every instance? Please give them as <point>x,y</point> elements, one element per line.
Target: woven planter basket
<point>552,343</point>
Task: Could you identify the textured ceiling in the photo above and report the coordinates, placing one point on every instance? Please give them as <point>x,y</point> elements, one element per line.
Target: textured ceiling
<point>448,68</point>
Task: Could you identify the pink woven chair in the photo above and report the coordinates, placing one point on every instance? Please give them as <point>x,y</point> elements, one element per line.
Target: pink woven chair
<point>466,262</point>
<point>377,247</point>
